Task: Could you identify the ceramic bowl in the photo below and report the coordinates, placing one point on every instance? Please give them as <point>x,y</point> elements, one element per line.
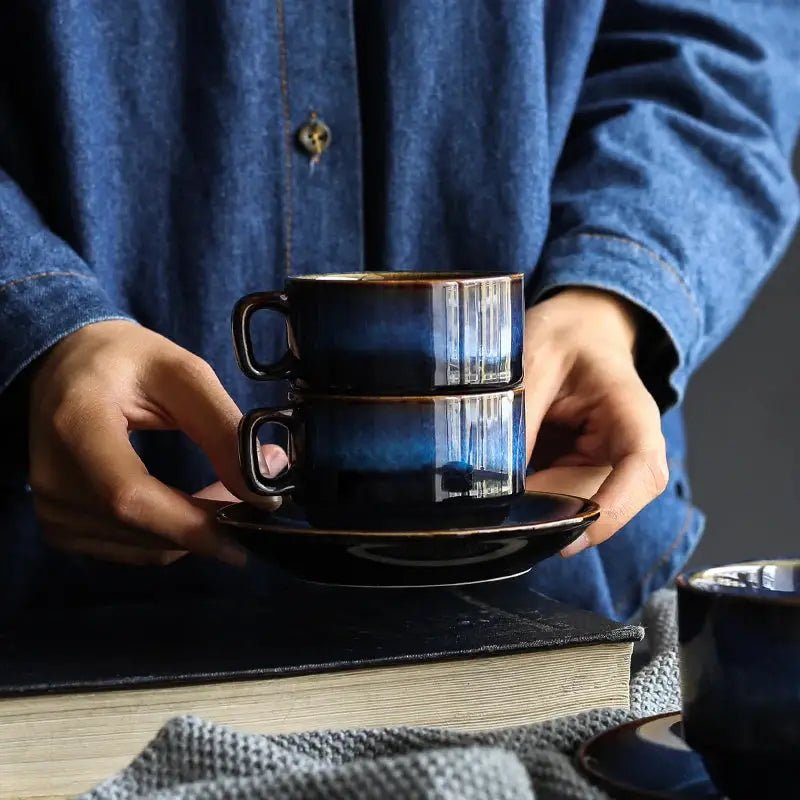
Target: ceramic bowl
<point>739,647</point>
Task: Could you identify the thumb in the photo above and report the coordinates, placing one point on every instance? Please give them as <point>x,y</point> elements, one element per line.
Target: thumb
<point>273,461</point>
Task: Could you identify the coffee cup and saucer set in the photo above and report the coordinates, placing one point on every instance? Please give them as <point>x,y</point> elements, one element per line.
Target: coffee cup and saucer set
<point>738,736</point>
<point>406,434</point>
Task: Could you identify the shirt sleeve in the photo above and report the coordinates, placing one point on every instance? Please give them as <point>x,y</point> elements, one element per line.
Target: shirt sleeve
<point>46,289</point>
<point>675,188</point>
<point>46,292</point>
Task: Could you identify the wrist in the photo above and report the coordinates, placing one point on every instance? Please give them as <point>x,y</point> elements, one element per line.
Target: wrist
<point>611,315</point>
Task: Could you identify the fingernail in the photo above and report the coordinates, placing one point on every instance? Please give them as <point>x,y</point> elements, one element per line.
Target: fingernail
<point>266,503</point>
<point>262,462</point>
<point>275,463</point>
<point>232,554</point>
<point>579,545</point>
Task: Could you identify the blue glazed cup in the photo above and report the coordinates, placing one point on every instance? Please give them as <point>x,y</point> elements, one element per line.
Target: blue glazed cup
<point>378,460</point>
<point>739,650</point>
<point>396,333</point>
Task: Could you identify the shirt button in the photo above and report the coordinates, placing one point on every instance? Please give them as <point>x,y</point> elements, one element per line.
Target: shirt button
<point>315,137</point>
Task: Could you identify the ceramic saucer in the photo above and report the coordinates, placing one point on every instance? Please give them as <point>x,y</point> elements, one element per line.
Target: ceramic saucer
<point>501,542</point>
<point>647,758</point>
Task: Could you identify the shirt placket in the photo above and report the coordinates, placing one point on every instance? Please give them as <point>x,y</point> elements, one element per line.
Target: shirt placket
<point>322,150</point>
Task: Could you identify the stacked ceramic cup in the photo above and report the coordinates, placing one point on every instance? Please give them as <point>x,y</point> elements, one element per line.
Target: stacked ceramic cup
<point>406,401</point>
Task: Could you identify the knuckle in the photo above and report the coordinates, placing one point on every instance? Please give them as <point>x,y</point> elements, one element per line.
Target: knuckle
<point>63,420</point>
<point>648,402</point>
<point>125,502</point>
<point>195,370</point>
<point>656,464</point>
<point>661,478</point>
<point>616,516</point>
<point>79,402</point>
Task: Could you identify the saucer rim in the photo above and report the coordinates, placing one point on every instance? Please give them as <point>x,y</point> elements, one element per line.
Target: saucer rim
<point>589,514</point>
<point>408,277</point>
<point>684,583</point>
<point>457,392</point>
<point>396,586</point>
<point>602,780</point>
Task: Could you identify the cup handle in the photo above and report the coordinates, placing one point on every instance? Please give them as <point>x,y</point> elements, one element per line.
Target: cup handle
<point>285,366</point>
<point>249,426</point>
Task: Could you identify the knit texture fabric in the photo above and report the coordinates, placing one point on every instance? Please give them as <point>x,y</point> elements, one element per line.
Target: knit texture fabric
<point>191,759</point>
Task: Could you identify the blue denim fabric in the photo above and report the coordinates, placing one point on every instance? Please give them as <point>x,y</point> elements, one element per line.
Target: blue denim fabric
<point>148,169</point>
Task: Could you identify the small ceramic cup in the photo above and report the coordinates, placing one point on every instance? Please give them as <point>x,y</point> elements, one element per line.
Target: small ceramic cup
<point>391,332</point>
<point>739,649</point>
<point>356,459</point>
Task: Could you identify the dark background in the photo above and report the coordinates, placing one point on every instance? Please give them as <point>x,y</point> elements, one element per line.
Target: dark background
<point>743,418</point>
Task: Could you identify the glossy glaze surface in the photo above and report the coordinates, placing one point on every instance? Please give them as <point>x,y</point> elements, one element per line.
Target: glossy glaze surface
<point>497,544</point>
<point>362,460</point>
<point>647,759</point>
<point>398,333</point>
<point>774,581</point>
<point>739,646</point>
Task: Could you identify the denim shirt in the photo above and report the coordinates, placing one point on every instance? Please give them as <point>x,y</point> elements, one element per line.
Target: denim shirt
<point>149,169</point>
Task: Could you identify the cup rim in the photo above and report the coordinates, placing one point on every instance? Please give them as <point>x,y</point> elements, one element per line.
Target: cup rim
<point>303,394</point>
<point>684,582</point>
<point>406,277</point>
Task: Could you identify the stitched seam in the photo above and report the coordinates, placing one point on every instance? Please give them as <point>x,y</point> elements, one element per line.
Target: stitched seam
<point>662,262</point>
<point>38,275</point>
<point>287,133</point>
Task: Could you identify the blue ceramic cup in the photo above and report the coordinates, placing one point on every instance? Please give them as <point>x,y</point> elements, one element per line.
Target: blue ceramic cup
<point>739,649</point>
<point>391,332</point>
<point>374,460</point>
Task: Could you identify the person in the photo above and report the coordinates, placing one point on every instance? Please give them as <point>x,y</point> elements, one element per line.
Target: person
<point>630,157</point>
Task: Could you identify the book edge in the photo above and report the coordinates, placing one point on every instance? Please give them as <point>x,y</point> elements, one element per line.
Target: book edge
<point>625,635</point>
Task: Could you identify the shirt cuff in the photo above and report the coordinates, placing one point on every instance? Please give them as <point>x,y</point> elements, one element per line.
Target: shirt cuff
<point>38,310</point>
<point>671,335</point>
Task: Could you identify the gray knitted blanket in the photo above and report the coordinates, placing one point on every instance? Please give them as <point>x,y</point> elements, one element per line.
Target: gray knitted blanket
<point>191,759</point>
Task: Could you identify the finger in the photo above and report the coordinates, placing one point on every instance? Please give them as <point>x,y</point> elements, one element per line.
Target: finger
<point>192,395</point>
<point>216,491</point>
<point>114,552</point>
<point>581,481</point>
<point>60,519</point>
<point>632,426</point>
<point>541,389</point>
<point>272,461</point>
<point>633,483</point>
<point>98,443</point>
<point>575,460</point>
<point>545,370</point>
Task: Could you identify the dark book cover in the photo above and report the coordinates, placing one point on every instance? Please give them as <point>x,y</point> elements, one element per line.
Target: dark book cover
<point>308,630</point>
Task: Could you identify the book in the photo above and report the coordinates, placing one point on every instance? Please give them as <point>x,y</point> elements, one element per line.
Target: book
<point>84,690</point>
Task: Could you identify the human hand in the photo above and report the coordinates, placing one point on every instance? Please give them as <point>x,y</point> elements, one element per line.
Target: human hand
<point>92,493</point>
<point>591,423</point>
